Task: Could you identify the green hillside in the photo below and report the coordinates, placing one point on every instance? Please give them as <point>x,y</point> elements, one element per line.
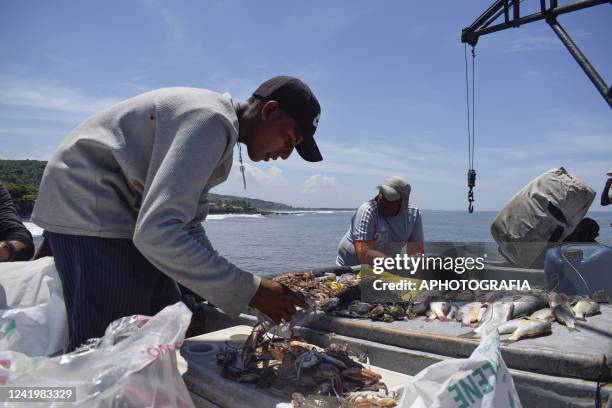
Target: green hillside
<point>22,177</point>
<point>252,202</point>
<point>27,172</point>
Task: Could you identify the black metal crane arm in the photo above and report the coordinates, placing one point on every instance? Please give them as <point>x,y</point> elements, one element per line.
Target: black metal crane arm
<point>511,9</point>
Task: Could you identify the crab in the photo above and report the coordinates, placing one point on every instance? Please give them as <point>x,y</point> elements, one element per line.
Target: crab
<point>307,359</point>
<point>330,376</point>
<point>376,312</point>
<point>251,344</point>
<point>396,311</point>
<point>361,374</point>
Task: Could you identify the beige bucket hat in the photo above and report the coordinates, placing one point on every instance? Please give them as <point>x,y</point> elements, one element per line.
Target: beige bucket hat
<point>395,188</point>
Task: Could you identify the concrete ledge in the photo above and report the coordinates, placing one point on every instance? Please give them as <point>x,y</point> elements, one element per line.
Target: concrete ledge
<point>585,355</point>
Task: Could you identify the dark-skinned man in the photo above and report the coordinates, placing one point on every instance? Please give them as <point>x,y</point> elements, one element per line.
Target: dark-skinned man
<point>123,199</point>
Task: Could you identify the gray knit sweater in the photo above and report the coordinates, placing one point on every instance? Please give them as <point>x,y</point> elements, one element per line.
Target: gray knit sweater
<point>142,169</point>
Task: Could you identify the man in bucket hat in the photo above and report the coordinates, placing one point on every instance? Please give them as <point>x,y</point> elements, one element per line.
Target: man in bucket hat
<point>386,221</point>
<point>123,199</point>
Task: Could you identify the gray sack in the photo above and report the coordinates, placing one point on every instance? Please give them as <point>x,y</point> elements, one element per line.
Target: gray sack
<point>544,211</point>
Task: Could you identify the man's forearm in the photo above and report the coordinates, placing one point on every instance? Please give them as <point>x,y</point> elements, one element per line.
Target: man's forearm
<point>370,255</point>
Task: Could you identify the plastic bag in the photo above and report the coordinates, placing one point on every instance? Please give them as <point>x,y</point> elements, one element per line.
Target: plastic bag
<point>32,312</point>
<point>133,365</point>
<point>482,380</point>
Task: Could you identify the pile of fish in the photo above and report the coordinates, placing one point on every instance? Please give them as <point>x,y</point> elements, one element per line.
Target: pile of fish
<point>308,374</point>
<point>526,315</point>
<point>520,314</point>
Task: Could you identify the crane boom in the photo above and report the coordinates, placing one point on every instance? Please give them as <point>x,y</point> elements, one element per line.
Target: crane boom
<point>549,10</point>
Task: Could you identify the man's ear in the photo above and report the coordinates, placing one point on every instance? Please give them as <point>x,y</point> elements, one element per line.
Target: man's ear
<point>269,110</point>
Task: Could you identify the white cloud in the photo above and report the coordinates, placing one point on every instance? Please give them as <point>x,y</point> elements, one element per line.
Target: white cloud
<point>540,40</point>
<point>318,182</point>
<point>540,75</point>
<point>51,95</point>
<point>415,162</point>
<point>272,176</point>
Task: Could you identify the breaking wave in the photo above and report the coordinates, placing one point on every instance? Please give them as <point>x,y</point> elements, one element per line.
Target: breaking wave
<point>218,217</point>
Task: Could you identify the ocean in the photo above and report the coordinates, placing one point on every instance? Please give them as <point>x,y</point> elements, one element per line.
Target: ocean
<point>303,240</point>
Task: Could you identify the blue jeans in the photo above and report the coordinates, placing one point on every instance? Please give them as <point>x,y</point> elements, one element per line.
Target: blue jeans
<point>105,279</point>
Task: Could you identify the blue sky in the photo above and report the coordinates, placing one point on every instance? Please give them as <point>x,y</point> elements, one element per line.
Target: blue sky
<point>389,76</point>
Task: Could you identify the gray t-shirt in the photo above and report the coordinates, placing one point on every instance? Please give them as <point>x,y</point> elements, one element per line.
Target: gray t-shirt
<point>368,224</point>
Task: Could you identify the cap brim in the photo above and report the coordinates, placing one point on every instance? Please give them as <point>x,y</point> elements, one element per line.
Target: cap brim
<point>309,150</point>
<point>609,173</point>
<point>390,193</point>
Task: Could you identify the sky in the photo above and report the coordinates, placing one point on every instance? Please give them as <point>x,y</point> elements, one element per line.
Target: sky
<point>390,77</point>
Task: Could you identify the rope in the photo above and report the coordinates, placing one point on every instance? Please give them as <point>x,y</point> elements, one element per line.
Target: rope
<point>241,165</point>
<point>471,126</point>
<point>467,103</point>
<point>473,107</point>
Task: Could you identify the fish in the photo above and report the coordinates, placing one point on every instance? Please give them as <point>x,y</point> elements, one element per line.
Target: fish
<point>564,315</point>
<point>417,308</point>
<point>510,326</point>
<point>359,309</point>
<point>546,314</point>
<point>529,328</point>
<point>452,312</point>
<point>470,313</point>
<point>555,299</point>
<point>439,310</point>
<point>524,305</point>
<point>499,312</point>
<point>585,308</point>
<point>482,312</point>
<point>494,315</point>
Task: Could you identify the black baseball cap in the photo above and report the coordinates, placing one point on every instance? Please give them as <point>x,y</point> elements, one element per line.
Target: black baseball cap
<point>296,98</point>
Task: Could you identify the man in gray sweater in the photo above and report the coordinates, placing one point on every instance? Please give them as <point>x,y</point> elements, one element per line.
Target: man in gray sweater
<point>123,199</point>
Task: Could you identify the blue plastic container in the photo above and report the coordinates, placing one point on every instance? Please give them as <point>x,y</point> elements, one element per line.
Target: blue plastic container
<point>567,263</point>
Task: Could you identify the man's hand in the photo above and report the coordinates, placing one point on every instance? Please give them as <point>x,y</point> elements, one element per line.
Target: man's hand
<point>276,301</point>
<point>365,252</point>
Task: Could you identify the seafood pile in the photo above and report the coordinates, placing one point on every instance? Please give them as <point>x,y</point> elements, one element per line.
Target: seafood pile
<point>520,314</point>
<point>308,284</point>
<point>328,291</point>
<point>308,374</point>
<point>341,296</point>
